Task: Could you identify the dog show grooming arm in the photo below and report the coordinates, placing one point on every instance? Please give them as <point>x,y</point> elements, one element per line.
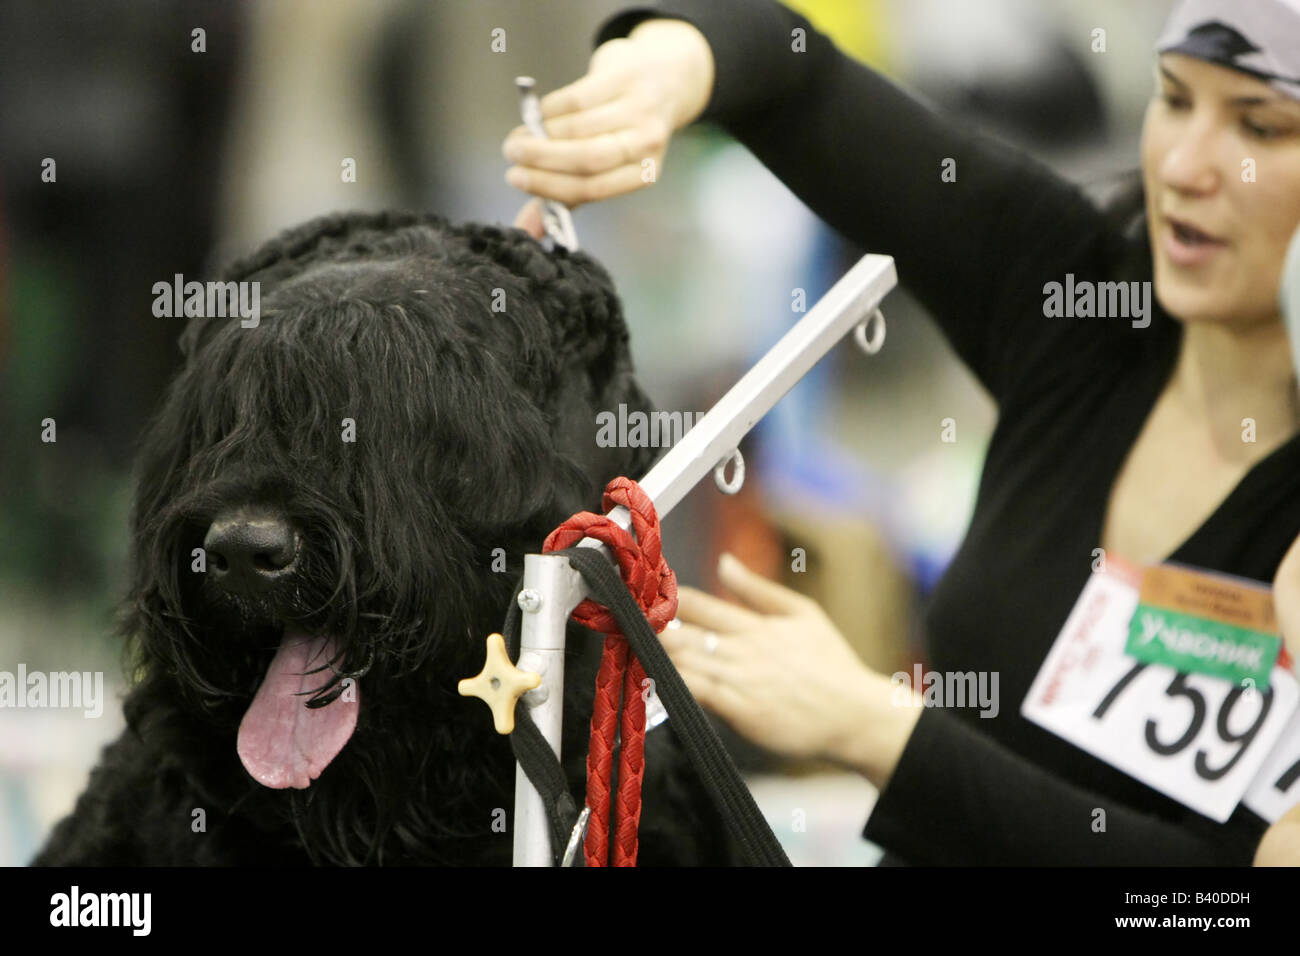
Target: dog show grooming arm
<point>552,588</point>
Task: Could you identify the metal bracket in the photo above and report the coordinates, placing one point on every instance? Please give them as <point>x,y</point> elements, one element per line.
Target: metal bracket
<point>850,302</point>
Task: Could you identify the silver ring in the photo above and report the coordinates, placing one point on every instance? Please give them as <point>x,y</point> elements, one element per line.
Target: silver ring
<point>674,624</point>
<point>711,643</point>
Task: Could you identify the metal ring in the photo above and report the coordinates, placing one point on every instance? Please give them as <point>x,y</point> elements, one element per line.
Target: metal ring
<point>711,642</point>
<point>877,322</point>
<point>737,473</point>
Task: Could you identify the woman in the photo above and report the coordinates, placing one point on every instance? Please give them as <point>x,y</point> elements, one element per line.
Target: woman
<point>1114,434</point>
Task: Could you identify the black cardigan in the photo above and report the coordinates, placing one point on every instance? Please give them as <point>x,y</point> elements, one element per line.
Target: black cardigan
<point>1072,394</point>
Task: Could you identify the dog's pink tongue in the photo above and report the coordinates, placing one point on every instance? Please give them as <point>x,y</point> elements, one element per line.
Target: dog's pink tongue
<point>282,742</point>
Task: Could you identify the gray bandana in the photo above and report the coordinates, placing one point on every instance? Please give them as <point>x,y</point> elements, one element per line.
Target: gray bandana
<point>1258,37</point>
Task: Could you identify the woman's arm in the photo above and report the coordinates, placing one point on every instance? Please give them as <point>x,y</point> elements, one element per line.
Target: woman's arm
<point>957,797</point>
<point>780,674</point>
<point>870,160</point>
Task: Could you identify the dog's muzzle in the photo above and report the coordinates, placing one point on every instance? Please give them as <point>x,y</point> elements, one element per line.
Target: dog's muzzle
<point>251,551</point>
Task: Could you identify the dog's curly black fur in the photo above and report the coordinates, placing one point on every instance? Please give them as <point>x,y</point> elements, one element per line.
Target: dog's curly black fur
<point>474,430</point>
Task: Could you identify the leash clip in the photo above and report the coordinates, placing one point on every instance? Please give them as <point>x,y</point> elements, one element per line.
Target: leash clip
<point>575,838</point>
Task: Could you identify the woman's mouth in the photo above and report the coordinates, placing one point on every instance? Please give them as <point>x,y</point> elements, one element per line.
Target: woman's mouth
<point>1188,245</point>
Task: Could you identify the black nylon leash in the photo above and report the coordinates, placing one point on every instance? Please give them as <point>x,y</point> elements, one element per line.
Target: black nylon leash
<point>536,756</point>
<point>757,843</point>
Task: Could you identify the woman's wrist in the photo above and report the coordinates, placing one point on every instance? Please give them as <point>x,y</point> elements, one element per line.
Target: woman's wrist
<point>690,76</point>
<point>876,727</point>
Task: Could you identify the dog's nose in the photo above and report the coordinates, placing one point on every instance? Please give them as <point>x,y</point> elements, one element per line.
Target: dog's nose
<point>250,551</point>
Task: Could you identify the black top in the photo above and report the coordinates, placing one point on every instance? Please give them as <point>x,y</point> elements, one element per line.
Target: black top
<point>1073,395</point>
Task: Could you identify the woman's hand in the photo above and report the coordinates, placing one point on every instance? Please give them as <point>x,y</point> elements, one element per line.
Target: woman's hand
<point>1286,598</point>
<point>609,130</point>
<point>1281,843</point>
<point>780,674</point>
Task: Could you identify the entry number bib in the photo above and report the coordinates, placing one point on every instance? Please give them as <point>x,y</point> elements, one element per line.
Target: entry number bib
<point>1199,739</point>
<point>1277,787</point>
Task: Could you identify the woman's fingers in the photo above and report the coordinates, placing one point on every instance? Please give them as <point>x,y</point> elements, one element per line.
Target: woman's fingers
<point>708,674</point>
<point>617,114</point>
<point>604,151</point>
<point>713,614</point>
<point>601,129</point>
<point>760,593</point>
<point>717,696</point>
<point>696,658</point>
<point>529,219</point>
<point>605,118</point>
<point>788,681</point>
<point>575,190</point>
<point>598,86</point>
<point>688,637</point>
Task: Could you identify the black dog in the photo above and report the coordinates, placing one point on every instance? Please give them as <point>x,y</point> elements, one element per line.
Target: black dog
<point>325,494</point>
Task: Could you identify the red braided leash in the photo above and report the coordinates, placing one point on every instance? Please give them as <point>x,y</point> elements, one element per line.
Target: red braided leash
<point>654,586</point>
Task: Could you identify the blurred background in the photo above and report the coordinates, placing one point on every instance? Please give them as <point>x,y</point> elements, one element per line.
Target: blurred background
<point>173,159</point>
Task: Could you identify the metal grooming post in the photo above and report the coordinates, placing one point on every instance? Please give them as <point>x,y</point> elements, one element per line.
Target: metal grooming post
<point>552,588</point>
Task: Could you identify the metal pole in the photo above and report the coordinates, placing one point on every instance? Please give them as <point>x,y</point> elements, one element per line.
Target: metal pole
<point>849,303</point>
<point>541,651</point>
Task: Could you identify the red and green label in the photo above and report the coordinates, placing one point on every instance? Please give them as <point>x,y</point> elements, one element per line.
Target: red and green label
<point>1204,623</point>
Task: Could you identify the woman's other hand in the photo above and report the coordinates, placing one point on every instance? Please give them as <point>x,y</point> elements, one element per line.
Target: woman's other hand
<point>780,674</point>
<point>1286,598</point>
<point>1281,843</point>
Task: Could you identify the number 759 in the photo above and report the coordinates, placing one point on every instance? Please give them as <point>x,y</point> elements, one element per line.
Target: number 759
<point>1179,687</point>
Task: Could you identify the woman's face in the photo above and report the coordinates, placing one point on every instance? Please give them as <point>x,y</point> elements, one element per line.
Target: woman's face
<point>1219,225</point>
